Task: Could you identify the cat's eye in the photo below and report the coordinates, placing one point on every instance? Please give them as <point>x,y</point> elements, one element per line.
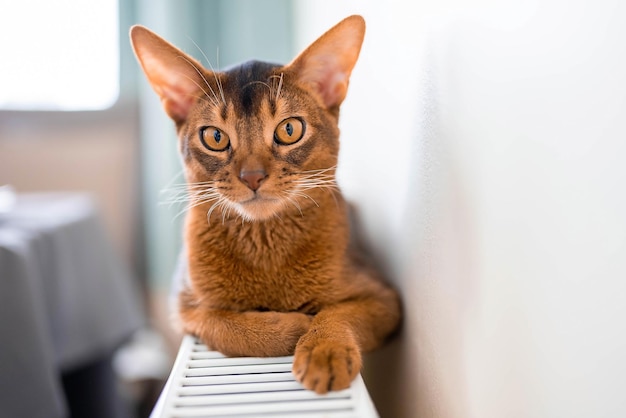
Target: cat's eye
<point>214,138</point>
<point>289,131</point>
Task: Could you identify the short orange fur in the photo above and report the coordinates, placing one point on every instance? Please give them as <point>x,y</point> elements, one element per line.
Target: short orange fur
<point>272,271</point>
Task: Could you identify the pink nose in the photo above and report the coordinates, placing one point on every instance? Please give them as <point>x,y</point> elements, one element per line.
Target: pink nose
<point>253,178</point>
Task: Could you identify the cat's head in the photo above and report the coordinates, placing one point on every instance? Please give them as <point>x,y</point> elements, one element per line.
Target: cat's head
<point>258,139</point>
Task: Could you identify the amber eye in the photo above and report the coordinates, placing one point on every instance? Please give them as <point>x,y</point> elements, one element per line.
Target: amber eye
<point>214,138</point>
<point>289,131</point>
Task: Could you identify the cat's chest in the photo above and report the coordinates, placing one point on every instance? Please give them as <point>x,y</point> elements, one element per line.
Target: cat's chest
<point>264,270</point>
<point>248,293</point>
<point>244,287</point>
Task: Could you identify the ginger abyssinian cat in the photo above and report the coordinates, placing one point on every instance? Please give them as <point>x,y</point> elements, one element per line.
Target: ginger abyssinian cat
<point>271,268</point>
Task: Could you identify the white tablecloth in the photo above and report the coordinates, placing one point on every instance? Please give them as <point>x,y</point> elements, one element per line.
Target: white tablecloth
<point>65,299</point>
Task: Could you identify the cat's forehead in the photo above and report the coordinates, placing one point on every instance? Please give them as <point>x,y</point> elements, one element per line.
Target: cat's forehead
<point>249,84</point>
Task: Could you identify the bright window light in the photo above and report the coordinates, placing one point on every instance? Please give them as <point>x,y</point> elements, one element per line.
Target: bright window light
<point>59,55</point>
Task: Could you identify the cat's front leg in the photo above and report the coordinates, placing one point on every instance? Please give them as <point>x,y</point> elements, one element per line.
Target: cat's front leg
<point>250,333</point>
<point>328,356</point>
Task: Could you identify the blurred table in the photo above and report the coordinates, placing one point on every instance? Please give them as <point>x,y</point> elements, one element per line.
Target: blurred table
<point>65,299</point>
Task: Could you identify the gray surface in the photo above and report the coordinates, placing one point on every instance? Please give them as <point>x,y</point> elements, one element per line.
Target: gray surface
<point>65,299</point>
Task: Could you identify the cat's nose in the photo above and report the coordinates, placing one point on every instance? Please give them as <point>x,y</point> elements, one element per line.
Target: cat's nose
<point>252,178</point>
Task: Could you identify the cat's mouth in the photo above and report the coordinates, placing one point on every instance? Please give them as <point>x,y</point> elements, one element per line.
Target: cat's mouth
<point>259,208</point>
<point>256,200</point>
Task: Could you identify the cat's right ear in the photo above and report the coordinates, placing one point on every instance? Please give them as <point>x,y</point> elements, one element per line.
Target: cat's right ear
<point>175,76</point>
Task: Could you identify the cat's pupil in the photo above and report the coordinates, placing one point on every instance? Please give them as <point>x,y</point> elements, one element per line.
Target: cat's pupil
<point>289,129</point>
<point>217,136</point>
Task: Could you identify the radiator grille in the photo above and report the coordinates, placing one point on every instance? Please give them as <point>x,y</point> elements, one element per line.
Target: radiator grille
<point>204,383</point>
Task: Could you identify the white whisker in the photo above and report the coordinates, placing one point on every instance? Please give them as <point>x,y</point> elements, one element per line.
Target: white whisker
<point>258,82</point>
<point>304,195</point>
<point>214,99</point>
<point>280,86</point>
<point>217,80</point>
<point>197,194</point>
<point>294,203</point>
<point>309,180</point>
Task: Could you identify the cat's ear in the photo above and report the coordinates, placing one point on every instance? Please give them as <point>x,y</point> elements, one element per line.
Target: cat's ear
<point>175,76</point>
<point>326,65</point>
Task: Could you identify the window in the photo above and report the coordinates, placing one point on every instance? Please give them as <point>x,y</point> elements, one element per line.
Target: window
<point>59,55</point>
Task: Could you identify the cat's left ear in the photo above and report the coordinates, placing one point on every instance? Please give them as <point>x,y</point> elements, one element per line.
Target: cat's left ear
<point>326,65</point>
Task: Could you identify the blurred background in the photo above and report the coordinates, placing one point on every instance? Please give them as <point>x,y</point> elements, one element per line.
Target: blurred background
<point>483,143</point>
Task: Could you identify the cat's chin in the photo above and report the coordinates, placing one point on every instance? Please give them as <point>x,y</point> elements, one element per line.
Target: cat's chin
<point>259,209</point>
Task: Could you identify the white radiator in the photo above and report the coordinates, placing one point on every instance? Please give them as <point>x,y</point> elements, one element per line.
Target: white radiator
<point>205,383</point>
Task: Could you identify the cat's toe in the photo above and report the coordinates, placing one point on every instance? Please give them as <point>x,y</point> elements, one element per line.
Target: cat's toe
<point>327,365</point>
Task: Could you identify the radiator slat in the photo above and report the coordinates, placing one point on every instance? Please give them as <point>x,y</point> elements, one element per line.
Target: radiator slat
<point>216,380</point>
<point>246,387</point>
<point>258,397</point>
<point>221,359</point>
<point>243,369</point>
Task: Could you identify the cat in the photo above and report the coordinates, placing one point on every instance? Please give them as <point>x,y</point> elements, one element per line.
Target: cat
<point>271,267</point>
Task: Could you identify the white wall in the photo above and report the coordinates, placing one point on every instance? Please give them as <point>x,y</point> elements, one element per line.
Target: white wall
<point>484,143</point>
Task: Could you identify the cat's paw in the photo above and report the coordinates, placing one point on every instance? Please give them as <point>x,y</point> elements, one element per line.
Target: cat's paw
<point>324,365</point>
